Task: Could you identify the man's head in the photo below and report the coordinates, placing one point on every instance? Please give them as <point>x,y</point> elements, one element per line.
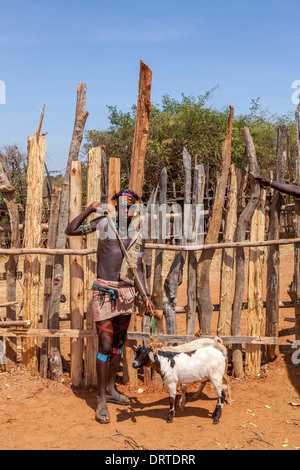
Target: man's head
<point>125,202</point>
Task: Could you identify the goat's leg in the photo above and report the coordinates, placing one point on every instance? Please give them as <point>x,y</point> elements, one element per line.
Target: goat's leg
<point>172,395</point>
<point>198,393</point>
<point>221,398</point>
<point>183,397</point>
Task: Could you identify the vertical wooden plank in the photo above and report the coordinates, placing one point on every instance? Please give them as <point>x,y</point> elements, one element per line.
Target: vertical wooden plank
<point>174,277</point>
<point>243,221</point>
<point>192,261</point>
<point>273,274</point>
<point>58,272</point>
<point>33,239</point>
<point>297,233</point>
<point>113,177</point>
<point>51,241</point>
<point>141,131</point>
<point>94,174</point>
<point>76,276</point>
<point>228,256</point>
<point>203,282</point>
<point>255,319</point>
<point>8,194</point>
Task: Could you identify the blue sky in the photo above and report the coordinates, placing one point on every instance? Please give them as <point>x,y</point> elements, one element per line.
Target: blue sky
<point>249,48</point>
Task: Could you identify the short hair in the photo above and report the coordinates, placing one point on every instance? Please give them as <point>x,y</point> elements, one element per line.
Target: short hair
<point>125,192</point>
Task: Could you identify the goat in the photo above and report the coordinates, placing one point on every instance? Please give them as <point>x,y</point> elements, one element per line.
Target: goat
<point>215,342</point>
<point>207,363</point>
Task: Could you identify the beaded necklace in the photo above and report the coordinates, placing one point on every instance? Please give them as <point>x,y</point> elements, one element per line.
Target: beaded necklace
<point>123,231</point>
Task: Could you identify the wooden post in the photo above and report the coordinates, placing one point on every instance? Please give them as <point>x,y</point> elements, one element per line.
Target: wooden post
<point>76,276</point>
<point>197,202</point>
<point>203,293</point>
<point>255,319</point>
<point>174,278</point>
<point>273,274</point>
<point>243,222</point>
<point>8,194</point>
<point>80,119</point>
<point>297,233</point>
<point>141,130</point>
<point>51,241</point>
<point>228,256</point>
<point>93,194</point>
<point>113,178</point>
<point>33,239</point>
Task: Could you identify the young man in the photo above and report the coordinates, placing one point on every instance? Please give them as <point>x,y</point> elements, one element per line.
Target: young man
<point>114,288</point>
<point>290,189</point>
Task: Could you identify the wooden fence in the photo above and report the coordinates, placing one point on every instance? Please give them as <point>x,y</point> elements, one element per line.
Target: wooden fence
<point>241,221</point>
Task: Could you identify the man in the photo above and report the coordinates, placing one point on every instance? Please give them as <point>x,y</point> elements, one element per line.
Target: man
<point>114,288</point>
<point>290,189</point>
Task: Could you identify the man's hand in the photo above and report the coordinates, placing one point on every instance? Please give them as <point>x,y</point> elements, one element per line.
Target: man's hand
<point>264,182</point>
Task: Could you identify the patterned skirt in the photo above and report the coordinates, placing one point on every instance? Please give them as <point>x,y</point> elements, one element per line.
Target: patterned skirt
<point>112,298</point>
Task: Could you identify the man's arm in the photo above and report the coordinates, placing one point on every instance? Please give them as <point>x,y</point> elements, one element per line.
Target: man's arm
<point>290,189</point>
<point>76,226</point>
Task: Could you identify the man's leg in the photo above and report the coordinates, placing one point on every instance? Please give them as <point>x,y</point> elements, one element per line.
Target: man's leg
<point>105,335</point>
<point>120,326</point>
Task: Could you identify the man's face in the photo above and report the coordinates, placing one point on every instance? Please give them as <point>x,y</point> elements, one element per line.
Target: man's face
<point>126,208</point>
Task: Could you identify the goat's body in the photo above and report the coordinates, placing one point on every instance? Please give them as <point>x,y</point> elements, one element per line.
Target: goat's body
<point>206,363</point>
<point>203,342</point>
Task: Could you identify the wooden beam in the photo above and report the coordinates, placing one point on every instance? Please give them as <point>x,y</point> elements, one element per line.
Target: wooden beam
<point>141,131</point>
<point>131,335</point>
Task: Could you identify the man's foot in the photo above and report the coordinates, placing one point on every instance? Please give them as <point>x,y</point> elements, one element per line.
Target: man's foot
<point>118,399</point>
<point>102,413</point>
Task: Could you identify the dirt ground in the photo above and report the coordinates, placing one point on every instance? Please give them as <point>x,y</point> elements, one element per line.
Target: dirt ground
<point>265,412</point>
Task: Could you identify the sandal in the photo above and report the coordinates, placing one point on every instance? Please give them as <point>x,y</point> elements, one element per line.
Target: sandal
<point>118,399</point>
<point>102,415</point>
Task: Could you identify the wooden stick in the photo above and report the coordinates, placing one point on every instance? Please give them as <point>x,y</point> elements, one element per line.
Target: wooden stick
<point>114,177</point>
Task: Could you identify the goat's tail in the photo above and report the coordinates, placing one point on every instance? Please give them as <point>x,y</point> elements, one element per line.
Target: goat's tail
<point>220,346</point>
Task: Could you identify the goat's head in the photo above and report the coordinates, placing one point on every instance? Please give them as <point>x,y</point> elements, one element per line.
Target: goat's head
<point>143,356</point>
